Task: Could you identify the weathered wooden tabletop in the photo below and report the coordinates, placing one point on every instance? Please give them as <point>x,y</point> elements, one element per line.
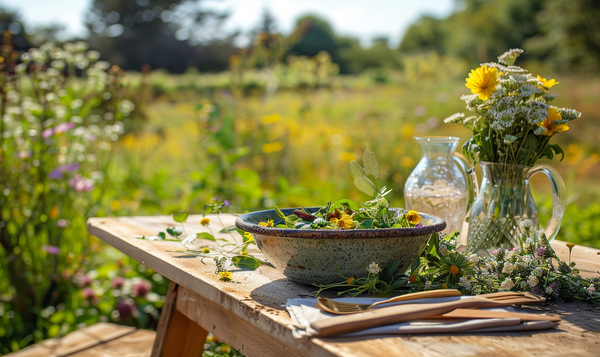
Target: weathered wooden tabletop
<point>249,312</point>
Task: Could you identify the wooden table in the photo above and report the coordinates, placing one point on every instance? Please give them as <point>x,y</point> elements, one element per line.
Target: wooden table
<point>249,312</point>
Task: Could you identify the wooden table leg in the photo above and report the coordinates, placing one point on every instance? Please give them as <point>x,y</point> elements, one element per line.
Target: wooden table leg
<point>177,335</point>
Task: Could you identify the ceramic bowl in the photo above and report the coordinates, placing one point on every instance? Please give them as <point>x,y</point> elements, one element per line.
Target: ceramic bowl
<point>314,256</point>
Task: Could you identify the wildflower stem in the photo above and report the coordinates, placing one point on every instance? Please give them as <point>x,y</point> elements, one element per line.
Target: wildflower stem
<point>220,221</point>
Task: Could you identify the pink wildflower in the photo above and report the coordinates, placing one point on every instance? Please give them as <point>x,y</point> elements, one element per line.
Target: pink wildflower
<point>47,133</point>
<point>141,288</point>
<point>50,249</point>
<point>88,294</point>
<point>85,280</point>
<point>81,183</point>
<point>540,251</point>
<point>63,128</point>
<point>125,309</point>
<point>118,282</point>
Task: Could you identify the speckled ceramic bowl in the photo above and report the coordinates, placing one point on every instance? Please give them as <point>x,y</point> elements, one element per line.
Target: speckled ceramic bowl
<point>314,256</point>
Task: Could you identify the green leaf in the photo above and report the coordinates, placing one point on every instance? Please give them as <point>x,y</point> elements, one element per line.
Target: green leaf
<point>174,231</point>
<point>208,208</point>
<point>356,170</point>
<point>365,185</point>
<point>228,229</point>
<point>340,203</point>
<point>393,267</point>
<point>206,236</point>
<point>279,213</point>
<point>162,235</point>
<point>398,284</point>
<point>245,262</point>
<point>281,226</point>
<point>180,216</point>
<point>367,224</point>
<point>370,163</point>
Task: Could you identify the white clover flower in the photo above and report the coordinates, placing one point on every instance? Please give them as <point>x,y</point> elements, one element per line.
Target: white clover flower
<point>591,288</point>
<point>508,268</point>
<point>455,118</point>
<point>510,56</point>
<point>373,268</point>
<point>549,290</point>
<point>533,281</point>
<point>507,284</point>
<point>319,220</point>
<point>509,139</point>
<point>537,271</point>
<point>526,223</point>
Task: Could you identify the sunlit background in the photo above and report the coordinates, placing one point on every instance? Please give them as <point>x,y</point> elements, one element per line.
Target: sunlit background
<point>264,103</point>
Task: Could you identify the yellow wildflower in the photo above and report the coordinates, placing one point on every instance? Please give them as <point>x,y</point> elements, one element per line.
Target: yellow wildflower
<point>205,221</point>
<point>552,128</point>
<point>249,237</point>
<point>483,81</point>
<point>444,286</point>
<point>570,245</point>
<point>344,222</point>
<point>205,250</point>
<point>350,281</point>
<point>269,223</point>
<point>454,270</point>
<point>547,83</point>
<point>413,217</point>
<point>54,212</point>
<point>244,252</point>
<point>225,276</point>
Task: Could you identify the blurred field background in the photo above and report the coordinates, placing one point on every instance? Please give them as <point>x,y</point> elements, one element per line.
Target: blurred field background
<point>277,121</point>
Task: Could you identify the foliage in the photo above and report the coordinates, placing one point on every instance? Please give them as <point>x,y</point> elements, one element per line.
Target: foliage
<point>170,34</point>
<point>61,110</point>
<point>346,214</point>
<point>512,121</point>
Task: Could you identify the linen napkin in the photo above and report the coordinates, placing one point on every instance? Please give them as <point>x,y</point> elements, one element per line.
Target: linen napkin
<point>303,312</point>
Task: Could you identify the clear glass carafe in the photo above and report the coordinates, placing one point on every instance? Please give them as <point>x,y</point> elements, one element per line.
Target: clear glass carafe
<point>440,185</point>
<point>505,200</point>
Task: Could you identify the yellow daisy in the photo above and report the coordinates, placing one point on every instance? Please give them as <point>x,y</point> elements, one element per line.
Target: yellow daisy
<point>413,217</point>
<point>552,128</point>
<point>269,223</point>
<point>483,81</point>
<point>344,222</point>
<point>547,83</point>
<point>205,221</point>
<point>225,276</point>
<point>249,237</point>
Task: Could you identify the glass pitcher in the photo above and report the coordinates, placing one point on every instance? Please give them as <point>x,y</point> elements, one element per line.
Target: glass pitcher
<point>504,201</point>
<point>440,185</point>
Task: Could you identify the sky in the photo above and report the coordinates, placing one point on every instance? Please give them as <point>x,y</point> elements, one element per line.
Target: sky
<point>353,18</point>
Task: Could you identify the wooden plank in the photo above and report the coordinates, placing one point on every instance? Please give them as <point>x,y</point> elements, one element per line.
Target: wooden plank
<point>136,344</point>
<point>184,337</point>
<point>235,331</point>
<point>256,298</point>
<point>75,341</point>
<point>165,319</point>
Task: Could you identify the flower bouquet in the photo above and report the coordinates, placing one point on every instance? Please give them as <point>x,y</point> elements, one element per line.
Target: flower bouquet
<point>512,125</point>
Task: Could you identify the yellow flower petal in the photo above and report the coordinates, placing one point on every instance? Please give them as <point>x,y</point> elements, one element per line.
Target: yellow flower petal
<point>483,81</point>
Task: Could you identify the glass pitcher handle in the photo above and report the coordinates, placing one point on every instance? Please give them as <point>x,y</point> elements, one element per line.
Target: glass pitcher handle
<point>470,178</point>
<point>559,198</point>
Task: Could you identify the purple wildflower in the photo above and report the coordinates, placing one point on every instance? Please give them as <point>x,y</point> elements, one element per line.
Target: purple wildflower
<point>226,203</point>
<point>215,198</point>
<point>63,128</point>
<point>81,183</point>
<point>47,133</point>
<point>419,225</point>
<point>125,309</point>
<point>495,252</point>
<point>540,251</point>
<point>57,173</point>
<point>141,288</point>
<point>50,249</point>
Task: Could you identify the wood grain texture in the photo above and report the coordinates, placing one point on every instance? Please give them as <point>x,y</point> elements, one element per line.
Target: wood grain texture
<point>135,344</point>
<point>75,341</point>
<point>257,298</point>
<point>165,319</point>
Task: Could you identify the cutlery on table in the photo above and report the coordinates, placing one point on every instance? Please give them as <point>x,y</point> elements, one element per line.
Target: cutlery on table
<point>344,308</point>
<point>408,312</point>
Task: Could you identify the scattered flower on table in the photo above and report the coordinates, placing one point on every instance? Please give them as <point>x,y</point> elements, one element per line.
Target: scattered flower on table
<point>225,276</point>
<point>205,221</point>
<point>591,288</point>
<point>205,250</point>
